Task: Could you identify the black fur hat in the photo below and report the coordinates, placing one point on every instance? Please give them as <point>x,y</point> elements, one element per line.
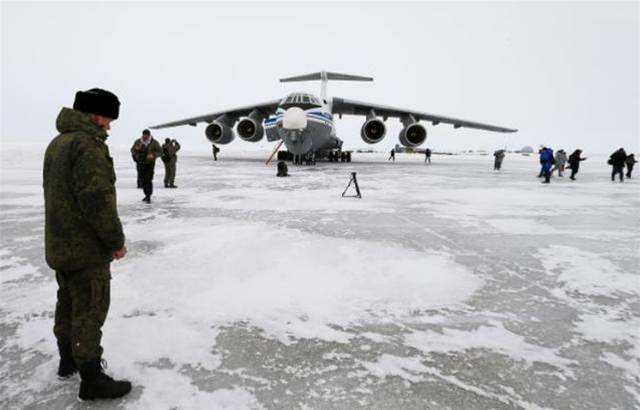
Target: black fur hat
<point>97,101</point>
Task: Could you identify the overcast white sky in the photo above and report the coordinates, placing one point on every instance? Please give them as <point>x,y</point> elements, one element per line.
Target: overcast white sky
<point>565,74</point>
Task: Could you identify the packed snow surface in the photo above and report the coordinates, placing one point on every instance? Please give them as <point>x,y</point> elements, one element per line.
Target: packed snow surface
<point>447,286</point>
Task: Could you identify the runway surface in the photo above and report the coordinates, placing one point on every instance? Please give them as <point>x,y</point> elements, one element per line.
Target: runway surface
<point>447,286</point>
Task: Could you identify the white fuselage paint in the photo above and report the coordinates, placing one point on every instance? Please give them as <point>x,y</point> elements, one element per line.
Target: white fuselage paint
<point>317,136</point>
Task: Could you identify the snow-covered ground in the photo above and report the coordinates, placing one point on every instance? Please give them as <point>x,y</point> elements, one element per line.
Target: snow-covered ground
<point>448,286</point>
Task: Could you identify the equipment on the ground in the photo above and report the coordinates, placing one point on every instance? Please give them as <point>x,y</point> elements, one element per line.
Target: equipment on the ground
<point>353,181</point>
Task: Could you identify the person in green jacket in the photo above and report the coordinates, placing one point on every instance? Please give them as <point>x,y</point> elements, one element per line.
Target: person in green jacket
<point>147,150</point>
<point>170,150</point>
<point>83,234</point>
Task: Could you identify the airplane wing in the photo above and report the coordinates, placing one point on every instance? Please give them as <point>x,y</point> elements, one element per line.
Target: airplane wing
<point>343,106</point>
<point>268,108</point>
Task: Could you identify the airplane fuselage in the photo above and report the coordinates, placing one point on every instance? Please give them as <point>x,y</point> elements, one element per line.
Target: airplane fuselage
<point>318,134</point>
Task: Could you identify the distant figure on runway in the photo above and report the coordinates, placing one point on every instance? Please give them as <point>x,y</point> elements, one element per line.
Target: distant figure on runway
<point>427,156</point>
<point>561,160</point>
<point>499,157</point>
<point>392,156</point>
<point>617,160</point>
<point>282,169</point>
<point>631,160</point>
<point>546,160</point>
<point>148,150</point>
<point>170,150</point>
<point>574,163</point>
<point>215,151</point>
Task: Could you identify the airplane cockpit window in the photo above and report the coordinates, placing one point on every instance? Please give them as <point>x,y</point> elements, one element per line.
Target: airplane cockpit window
<point>304,101</point>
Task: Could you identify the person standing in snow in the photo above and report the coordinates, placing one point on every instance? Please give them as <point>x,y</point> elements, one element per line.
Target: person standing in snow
<point>170,150</point>
<point>499,157</point>
<point>546,159</point>
<point>561,160</point>
<point>83,234</point>
<point>147,149</point>
<point>427,155</point>
<point>631,160</point>
<point>617,160</point>
<point>574,163</point>
<point>392,155</point>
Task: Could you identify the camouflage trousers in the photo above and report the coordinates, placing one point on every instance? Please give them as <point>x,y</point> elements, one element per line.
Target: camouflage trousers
<point>170,172</point>
<point>81,309</point>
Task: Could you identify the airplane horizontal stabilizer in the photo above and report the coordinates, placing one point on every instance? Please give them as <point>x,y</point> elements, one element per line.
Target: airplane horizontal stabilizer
<point>324,75</point>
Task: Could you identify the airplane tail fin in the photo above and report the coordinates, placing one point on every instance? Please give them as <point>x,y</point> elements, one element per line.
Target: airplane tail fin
<point>325,76</point>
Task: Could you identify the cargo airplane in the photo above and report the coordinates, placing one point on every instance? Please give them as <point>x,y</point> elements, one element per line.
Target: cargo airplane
<point>304,122</point>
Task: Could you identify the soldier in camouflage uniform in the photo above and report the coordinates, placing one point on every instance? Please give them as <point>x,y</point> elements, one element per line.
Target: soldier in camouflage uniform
<point>147,150</point>
<point>83,234</point>
<point>170,150</point>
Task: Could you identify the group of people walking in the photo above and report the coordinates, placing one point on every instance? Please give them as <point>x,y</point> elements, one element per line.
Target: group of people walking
<point>558,162</point>
<point>144,152</point>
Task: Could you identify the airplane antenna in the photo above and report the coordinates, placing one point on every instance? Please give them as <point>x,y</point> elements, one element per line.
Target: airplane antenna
<point>324,77</point>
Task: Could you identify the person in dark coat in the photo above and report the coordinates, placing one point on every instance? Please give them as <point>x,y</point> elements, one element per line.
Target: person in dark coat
<point>574,163</point>
<point>392,155</point>
<point>147,149</point>
<point>427,155</point>
<point>631,160</point>
<point>546,160</point>
<point>282,169</point>
<point>215,151</point>
<point>617,160</point>
<point>499,157</point>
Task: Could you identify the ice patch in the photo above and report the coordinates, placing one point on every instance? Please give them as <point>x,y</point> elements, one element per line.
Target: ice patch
<point>166,389</point>
<point>10,272</point>
<point>408,368</point>
<point>587,273</point>
<point>609,328</point>
<point>412,370</point>
<point>494,337</point>
<point>521,226</point>
<point>288,283</point>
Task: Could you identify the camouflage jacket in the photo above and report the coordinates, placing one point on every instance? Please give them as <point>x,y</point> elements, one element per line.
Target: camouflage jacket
<point>82,227</point>
<point>146,154</point>
<point>169,150</point>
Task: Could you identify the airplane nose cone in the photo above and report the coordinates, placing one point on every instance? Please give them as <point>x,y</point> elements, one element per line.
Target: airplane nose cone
<point>294,119</point>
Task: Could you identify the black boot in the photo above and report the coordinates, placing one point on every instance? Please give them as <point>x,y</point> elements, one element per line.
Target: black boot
<point>67,366</point>
<point>97,385</point>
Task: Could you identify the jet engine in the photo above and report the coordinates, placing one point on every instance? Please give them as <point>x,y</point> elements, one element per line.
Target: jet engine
<point>373,131</point>
<point>250,128</point>
<point>219,133</point>
<point>413,135</point>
